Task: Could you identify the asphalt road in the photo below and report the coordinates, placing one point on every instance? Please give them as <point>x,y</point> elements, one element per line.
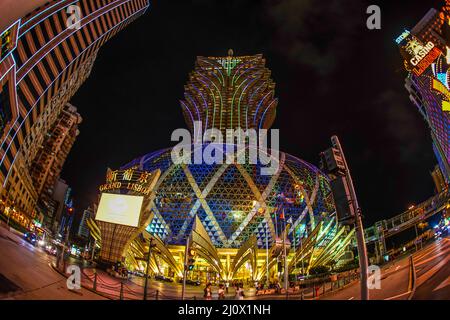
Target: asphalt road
<point>26,273</point>
<point>394,285</point>
<point>433,272</point>
<point>432,277</point>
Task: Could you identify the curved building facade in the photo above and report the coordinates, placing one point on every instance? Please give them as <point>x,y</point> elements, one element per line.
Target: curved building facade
<point>234,201</point>
<point>230,212</point>
<point>45,57</point>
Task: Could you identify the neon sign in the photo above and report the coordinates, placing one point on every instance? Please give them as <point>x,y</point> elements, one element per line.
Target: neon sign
<point>402,37</point>
<point>419,57</point>
<point>421,52</point>
<point>129,179</point>
<point>439,87</point>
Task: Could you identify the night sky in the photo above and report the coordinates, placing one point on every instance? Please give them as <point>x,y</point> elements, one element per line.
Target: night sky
<point>332,74</point>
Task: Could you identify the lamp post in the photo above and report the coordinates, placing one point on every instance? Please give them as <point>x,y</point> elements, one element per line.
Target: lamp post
<point>286,271</point>
<point>185,269</point>
<point>267,256</point>
<point>150,245</point>
<point>362,251</point>
<point>9,215</point>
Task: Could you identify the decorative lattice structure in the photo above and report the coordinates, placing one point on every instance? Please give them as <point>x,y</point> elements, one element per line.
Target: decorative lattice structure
<point>241,211</point>
<point>234,201</point>
<point>230,92</point>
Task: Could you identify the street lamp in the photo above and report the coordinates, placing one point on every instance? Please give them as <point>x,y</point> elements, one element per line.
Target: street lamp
<point>150,245</point>
<point>347,207</point>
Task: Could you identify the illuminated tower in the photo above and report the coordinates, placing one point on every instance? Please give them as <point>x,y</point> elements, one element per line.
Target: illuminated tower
<point>425,50</point>
<point>46,56</point>
<point>230,92</point>
<point>232,212</point>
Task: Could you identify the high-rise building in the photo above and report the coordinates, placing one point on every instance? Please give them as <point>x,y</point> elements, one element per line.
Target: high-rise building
<point>48,163</point>
<point>438,179</point>
<point>57,205</point>
<point>47,52</point>
<point>83,230</point>
<point>425,50</point>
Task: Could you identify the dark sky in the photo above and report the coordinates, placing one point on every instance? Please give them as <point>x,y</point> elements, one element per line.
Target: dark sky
<point>332,74</point>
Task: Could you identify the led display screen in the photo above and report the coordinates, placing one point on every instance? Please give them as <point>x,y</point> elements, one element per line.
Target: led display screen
<point>120,209</point>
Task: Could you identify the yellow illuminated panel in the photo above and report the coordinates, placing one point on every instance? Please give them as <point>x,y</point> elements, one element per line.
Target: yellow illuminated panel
<point>439,87</point>
<point>120,209</point>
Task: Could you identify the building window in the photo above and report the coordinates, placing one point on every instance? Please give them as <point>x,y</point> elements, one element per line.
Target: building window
<point>5,107</point>
<point>5,43</point>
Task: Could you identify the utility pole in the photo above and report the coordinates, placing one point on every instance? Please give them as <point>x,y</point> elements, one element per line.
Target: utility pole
<point>185,269</point>
<point>286,271</point>
<point>267,256</point>
<point>93,250</point>
<point>348,211</point>
<point>150,245</point>
<point>417,236</point>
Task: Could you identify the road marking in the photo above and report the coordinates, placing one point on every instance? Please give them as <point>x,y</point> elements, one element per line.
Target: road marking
<point>398,296</point>
<point>435,247</point>
<point>432,258</point>
<point>427,275</point>
<point>443,284</point>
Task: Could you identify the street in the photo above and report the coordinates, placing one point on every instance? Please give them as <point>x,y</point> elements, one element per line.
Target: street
<point>433,272</point>
<point>26,273</point>
<point>432,277</point>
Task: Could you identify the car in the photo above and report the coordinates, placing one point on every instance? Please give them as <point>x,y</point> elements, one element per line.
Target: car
<point>50,249</point>
<point>190,282</point>
<point>163,278</point>
<point>193,282</point>
<point>30,237</point>
<point>139,274</point>
<point>159,277</point>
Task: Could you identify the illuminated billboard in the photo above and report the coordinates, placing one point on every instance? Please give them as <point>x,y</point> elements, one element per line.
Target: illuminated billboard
<point>418,56</point>
<point>120,209</point>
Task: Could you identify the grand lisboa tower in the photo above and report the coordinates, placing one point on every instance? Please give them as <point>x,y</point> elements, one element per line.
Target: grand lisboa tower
<point>239,214</point>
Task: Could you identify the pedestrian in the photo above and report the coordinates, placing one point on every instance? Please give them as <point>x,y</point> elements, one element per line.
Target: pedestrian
<point>221,292</point>
<point>241,292</point>
<point>238,292</point>
<point>227,284</point>
<point>207,292</point>
<point>278,287</point>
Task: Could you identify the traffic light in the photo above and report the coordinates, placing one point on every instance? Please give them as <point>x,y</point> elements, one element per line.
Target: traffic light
<point>342,200</point>
<point>191,259</point>
<point>333,164</point>
<point>332,161</point>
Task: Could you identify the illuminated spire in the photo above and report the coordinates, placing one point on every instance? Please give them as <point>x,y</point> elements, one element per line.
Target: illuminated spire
<point>230,92</point>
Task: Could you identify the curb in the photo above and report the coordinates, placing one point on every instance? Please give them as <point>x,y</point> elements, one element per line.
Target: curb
<point>83,286</point>
<point>412,278</point>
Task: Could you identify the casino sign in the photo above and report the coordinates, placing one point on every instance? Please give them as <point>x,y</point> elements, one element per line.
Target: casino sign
<point>129,179</point>
<point>418,56</point>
